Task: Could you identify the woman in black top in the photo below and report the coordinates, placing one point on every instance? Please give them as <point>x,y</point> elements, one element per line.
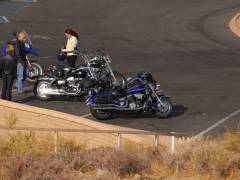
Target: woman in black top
<point>8,67</point>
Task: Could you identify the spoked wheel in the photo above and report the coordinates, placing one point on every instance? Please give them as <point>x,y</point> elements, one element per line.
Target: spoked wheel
<point>165,109</point>
<point>39,90</point>
<point>33,72</point>
<point>119,81</point>
<point>99,114</point>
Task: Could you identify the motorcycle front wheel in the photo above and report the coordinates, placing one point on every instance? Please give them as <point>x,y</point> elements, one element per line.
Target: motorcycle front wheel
<point>33,72</point>
<point>99,114</point>
<point>165,110</point>
<point>39,88</point>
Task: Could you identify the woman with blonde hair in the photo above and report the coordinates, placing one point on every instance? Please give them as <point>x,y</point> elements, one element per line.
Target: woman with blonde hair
<point>8,67</point>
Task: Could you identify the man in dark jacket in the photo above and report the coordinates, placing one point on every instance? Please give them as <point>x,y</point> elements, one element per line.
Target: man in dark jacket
<point>20,55</point>
<point>8,66</point>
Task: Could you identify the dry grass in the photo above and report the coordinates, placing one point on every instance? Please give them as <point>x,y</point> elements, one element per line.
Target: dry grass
<point>10,120</point>
<point>116,163</point>
<point>26,156</point>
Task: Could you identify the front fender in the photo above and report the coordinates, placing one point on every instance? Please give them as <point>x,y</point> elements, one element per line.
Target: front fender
<point>163,96</point>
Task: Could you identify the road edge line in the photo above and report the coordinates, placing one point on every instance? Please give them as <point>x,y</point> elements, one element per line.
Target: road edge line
<point>221,121</point>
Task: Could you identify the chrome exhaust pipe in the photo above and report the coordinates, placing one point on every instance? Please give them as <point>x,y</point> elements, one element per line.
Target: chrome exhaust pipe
<point>60,92</point>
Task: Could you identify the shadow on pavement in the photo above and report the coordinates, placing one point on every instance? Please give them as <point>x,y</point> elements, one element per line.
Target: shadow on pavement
<point>178,110</point>
<point>26,99</point>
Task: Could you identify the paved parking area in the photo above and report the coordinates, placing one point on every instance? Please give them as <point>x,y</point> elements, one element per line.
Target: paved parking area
<point>187,46</point>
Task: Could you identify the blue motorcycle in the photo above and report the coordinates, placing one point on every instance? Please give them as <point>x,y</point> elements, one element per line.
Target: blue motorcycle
<point>33,68</point>
<point>141,96</point>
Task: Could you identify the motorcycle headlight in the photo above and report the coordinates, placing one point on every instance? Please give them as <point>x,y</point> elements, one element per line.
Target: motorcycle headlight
<point>109,60</point>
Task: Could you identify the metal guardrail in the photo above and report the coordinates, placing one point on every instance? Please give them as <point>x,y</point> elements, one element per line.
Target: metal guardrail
<point>96,131</point>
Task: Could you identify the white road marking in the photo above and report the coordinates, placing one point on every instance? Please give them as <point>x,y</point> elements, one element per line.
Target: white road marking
<point>20,9</point>
<point>38,36</point>
<point>202,133</point>
<point>86,115</point>
<point>4,19</point>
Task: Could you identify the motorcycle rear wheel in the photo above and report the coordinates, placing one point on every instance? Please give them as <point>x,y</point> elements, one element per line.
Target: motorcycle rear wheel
<point>38,90</point>
<point>99,114</point>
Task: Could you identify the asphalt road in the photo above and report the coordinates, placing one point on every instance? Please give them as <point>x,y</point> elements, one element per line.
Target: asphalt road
<point>186,45</point>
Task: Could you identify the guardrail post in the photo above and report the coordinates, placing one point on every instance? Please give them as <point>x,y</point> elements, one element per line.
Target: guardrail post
<point>55,141</point>
<point>173,144</point>
<point>156,142</point>
<point>119,141</point>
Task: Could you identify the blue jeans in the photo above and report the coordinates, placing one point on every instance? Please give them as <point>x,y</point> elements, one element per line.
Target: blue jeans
<point>21,71</point>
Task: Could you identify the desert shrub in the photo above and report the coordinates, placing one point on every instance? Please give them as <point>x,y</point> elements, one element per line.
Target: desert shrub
<point>231,141</point>
<point>117,162</point>
<point>20,143</point>
<point>69,144</point>
<point>211,158</point>
<point>30,167</point>
<point>31,156</point>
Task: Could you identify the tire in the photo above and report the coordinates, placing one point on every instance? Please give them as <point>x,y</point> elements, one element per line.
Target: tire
<point>120,80</point>
<point>166,110</point>
<point>100,115</point>
<point>34,73</point>
<point>37,90</point>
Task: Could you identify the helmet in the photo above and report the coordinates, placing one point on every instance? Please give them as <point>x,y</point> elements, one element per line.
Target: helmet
<point>61,56</point>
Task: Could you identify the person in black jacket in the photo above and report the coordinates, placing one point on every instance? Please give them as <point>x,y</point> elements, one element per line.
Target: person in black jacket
<point>20,55</point>
<point>8,66</point>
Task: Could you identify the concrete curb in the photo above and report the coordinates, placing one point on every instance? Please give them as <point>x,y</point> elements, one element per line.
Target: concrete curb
<point>30,116</point>
<point>234,24</point>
